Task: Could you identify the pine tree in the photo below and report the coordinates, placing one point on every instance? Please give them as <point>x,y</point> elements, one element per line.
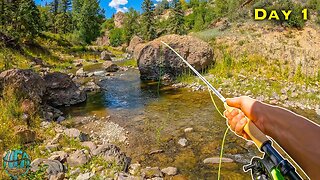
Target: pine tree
<point>63,18</point>
<point>76,10</point>
<point>177,18</point>
<point>149,31</point>
<point>27,19</point>
<point>89,22</point>
<point>131,25</point>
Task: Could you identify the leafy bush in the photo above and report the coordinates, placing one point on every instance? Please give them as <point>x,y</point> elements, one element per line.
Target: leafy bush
<point>116,37</point>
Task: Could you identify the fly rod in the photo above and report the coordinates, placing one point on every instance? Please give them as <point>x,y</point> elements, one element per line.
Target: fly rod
<point>273,165</point>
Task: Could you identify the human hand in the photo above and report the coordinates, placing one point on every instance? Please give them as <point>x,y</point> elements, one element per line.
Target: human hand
<point>237,118</point>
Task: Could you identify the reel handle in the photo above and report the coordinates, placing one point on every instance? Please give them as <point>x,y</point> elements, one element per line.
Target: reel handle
<point>251,129</point>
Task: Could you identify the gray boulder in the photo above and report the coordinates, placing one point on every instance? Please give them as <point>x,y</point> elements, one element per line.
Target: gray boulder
<point>62,91</point>
<point>25,81</point>
<point>112,153</point>
<point>53,167</point>
<point>78,158</point>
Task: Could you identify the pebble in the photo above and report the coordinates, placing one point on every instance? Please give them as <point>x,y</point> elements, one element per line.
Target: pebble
<point>85,176</point>
<point>318,110</point>
<point>248,93</point>
<point>215,160</point>
<point>183,142</point>
<point>134,168</point>
<point>74,172</point>
<point>171,171</point>
<point>188,130</point>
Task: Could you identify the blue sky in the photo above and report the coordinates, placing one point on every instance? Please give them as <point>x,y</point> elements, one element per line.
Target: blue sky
<point>112,6</point>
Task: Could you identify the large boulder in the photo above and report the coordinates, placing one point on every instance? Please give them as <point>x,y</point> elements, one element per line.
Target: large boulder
<point>26,82</point>
<point>62,91</point>
<point>155,60</point>
<point>133,44</point>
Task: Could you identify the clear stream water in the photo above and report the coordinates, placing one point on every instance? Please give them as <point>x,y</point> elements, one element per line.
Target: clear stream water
<point>156,119</point>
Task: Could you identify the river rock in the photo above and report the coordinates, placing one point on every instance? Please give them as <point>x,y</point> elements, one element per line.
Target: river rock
<point>72,132</point>
<point>89,145</point>
<point>133,44</point>
<point>187,130</point>
<point>106,55</point>
<point>154,54</point>
<point>53,167</point>
<point>215,160</point>
<point>85,176</point>
<point>125,176</point>
<point>59,176</point>
<point>59,156</point>
<point>112,153</point>
<point>183,142</point>
<point>50,113</point>
<point>25,134</point>
<point>78,158</point>
<point>110,66</point>
<point>171,171</point>
<point>25,82</point>
<point>92,87</point>
<point>151,172</point>
<point>62,91</point>
<point>52,147</point>
<point>134,169</point>
<point>81,73</point>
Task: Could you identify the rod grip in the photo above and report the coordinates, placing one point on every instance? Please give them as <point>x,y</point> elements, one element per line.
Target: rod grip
<point>251,129</point>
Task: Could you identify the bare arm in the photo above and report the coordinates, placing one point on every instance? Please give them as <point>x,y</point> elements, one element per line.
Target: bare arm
<point>298,136</point>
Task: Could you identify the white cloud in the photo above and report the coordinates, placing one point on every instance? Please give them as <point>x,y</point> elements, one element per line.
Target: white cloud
<point>116,4</point>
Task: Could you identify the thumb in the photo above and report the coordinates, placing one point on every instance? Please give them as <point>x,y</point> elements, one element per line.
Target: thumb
<point>234,102</point>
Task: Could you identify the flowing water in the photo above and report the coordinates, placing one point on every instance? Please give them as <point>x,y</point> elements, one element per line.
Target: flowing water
<point>156,119</point>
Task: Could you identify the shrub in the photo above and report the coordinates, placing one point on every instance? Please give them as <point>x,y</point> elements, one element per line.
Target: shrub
<point>116,37</point>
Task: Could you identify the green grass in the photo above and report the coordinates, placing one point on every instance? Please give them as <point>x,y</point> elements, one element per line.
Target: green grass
<point>130,62</point>
<point>258,72</point>
<point>207,35</point>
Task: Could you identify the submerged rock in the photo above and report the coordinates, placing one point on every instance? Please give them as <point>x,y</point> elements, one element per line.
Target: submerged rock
<point>215,160</point>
